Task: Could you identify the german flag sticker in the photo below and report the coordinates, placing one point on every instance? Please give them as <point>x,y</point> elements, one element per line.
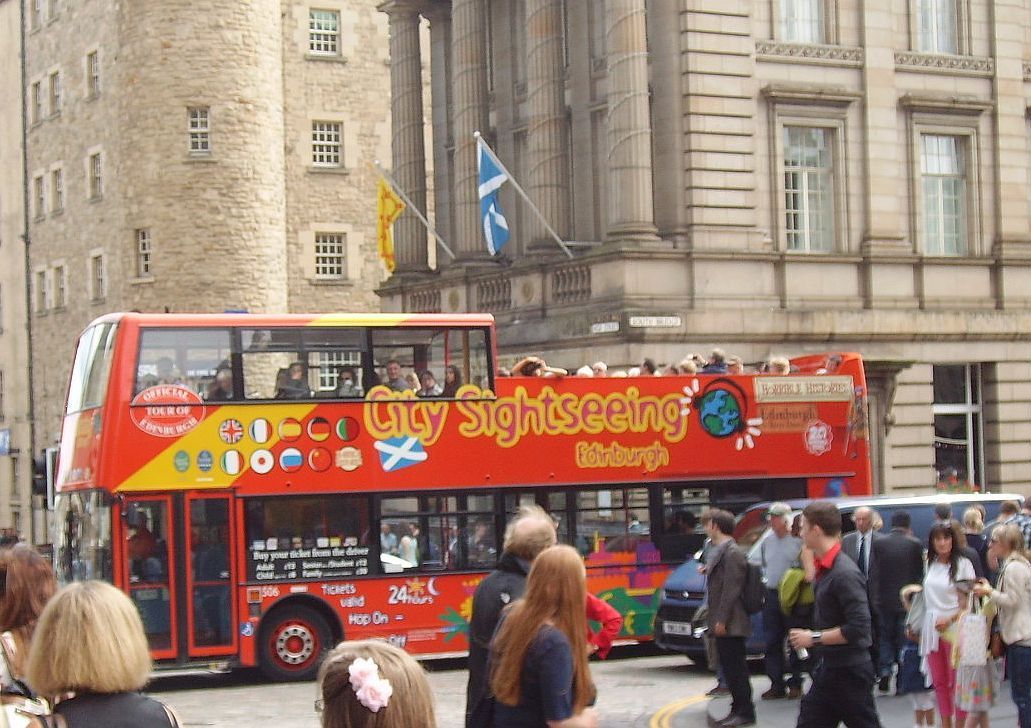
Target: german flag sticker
<point>289,429</point>
<point>319,429</point>
<point>347,428</point>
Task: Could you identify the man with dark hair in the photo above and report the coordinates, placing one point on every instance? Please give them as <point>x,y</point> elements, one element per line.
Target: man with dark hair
<point>726,569</point>
<point>526,536</point>
<point>844,675</point>
<point>902,555</point>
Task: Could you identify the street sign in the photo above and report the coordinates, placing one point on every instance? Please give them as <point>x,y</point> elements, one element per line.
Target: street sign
<point>5,441</point>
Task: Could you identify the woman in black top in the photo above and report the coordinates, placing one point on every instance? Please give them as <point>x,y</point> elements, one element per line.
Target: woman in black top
<point>90,643</point>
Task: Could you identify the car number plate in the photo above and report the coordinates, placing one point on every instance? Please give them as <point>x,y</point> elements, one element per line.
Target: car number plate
<point>676,628</point>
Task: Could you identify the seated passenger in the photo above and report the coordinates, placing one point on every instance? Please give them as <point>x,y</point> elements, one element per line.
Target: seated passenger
<point>600,369</point>
<point>534,366</point>
<point>168,373</point>
<point>221,387</point>
<point>347,384</point>
<point>412,382</point>
<point>717,363</point>
<point>452,380</point>
<point>735,365</point>
<point>295,385</point>
<point>395,381</point>
<point>779,365</point>
<point>429,387</point>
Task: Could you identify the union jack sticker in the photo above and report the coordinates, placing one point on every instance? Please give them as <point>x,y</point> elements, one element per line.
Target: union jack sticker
<point>231,431</point>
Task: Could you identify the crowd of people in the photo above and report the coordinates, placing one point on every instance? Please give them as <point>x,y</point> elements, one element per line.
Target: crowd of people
<point>718,362</point>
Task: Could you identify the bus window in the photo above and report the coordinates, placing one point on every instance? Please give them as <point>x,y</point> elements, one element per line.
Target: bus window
<point>274,366</point>
<point>682,533</point>
<point>335,355</point>
<point>417,351</point>
<point>612,520</point>
<point>92,366</point>
<point>307,537</point>
<point>184,357</point>
<point>432,533</point>
<point>83,539</point>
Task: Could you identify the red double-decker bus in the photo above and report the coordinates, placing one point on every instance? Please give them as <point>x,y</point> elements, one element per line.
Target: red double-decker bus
<point>264,486</point>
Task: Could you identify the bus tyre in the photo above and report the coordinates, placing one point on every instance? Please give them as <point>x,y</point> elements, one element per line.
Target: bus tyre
<point>293,642</point>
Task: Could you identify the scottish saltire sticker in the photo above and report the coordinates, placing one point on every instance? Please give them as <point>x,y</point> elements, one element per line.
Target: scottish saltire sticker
<point>396,453</point>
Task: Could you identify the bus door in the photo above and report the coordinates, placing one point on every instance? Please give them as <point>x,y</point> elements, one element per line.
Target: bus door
<point>209,575</point>
<point>147,555</point>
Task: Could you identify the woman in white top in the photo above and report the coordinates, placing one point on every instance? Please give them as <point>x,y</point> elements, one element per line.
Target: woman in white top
<point>1013,596</point>
<point>949,579</point>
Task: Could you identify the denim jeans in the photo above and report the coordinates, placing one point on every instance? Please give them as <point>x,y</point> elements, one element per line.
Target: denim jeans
<point>1018,665</point>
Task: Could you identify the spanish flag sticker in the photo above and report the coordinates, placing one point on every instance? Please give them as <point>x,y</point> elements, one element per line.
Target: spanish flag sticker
<point>289,429</point>
<point>319,429</point>
<point>231,462</point>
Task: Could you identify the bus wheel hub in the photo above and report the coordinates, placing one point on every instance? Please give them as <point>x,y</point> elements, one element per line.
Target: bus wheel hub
<point>295,644</point>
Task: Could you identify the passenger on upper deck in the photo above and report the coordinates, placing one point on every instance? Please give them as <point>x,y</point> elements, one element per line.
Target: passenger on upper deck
<point>295,384</point>
<point>347,384</point>
<point>221,387</point>
<point>395,380</point>
<point>534,366</point>
<point>779,365</point>
<point>735,365</point>
<point>452,380</point>
<point>429,387</point>
<point>717,363</point>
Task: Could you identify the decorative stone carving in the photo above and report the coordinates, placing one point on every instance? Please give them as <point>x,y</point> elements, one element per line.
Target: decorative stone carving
<point>777,51</point>
<point>975,65</point>
<point>494,294</point>
<point>425,301</point>
<point>571,284</point>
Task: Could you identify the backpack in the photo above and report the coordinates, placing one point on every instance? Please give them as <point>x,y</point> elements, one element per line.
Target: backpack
<point>753,595</point>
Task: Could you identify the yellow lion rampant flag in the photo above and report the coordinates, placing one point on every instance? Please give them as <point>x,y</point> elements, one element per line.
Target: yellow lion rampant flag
<point>388,207</point>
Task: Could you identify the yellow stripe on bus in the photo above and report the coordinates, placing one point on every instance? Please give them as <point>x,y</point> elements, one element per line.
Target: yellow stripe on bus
<point>358,319</point>
<point>161,473</point>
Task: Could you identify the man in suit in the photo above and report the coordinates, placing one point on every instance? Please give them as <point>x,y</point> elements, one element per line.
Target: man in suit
<point>858,546</point>
<point>906,556</point>
<point>726,569</point>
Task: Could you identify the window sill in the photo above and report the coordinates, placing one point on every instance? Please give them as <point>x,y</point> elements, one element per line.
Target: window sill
<point>97,198</point>
<point>332,282</point>
<point>193,158</point>
<point>60,309</point>
<point>57,213</point>
<point>54,115</point>
<point>97,301</point>
<point>39,218</point>
<point>310,56</point>
<point>142,280</point>
<point>329,170</point>
<point>92,96</point>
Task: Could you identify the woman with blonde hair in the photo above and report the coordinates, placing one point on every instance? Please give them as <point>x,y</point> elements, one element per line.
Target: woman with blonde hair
<point>539,673</point>
<point>372,684</point>
<point>90,642</point>
<point>27,583</point>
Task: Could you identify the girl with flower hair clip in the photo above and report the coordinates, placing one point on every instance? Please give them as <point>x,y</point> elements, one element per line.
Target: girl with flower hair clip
<point>372,684</point>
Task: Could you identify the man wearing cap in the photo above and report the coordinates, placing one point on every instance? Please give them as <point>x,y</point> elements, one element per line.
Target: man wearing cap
<point>779,552</point>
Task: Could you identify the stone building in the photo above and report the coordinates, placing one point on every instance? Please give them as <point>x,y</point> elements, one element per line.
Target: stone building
<point>186,157</point>
<point>769,176</point>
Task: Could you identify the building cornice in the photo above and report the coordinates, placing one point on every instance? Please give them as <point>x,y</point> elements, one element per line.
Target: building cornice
<point>810,94</point>
<point>941,103</point>
<point>774,51</point>
<point>940,63</point>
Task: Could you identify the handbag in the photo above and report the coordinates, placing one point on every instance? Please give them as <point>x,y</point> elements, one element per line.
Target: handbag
<point>997,646</point>
<point>972,635</point>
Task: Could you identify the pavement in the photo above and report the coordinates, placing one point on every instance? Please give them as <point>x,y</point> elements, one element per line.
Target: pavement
<point>893,711</point>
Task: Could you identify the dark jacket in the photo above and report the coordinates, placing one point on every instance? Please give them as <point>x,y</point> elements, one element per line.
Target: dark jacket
<point>841,601</point>
<point>905,559</point>
<point>115,710</point>
<point>725,572</point>
<point>850,547</point>
<point>498,589</point>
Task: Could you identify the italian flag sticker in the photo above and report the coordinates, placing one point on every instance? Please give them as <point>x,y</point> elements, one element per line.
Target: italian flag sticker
<point>347,428</point>
<point>231,462</point>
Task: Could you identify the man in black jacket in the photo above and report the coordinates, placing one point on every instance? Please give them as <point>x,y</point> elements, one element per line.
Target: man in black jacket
<point>843,679</point>
<point>529,533</point>
<point>904,557</point>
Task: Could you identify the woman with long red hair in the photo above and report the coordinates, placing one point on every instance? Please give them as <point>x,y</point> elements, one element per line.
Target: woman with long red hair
<point>26,585</point>
<point>540,676</point>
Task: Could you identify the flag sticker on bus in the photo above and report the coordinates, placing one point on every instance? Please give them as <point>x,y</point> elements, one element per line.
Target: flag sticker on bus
<point>262,461</point>
<point>319,429</point>
<point>260,430</point>
<point>400,452</point>
<point>291,460</point>
<point>232,461</point>
<point>289,429</point>
<point>231,431</point>
<point>319,459</point>
<point>347,428</point>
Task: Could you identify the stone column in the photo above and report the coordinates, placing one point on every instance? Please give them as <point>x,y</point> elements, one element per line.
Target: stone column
<point>547,179</point>
<point>469,95</point>
<point>631,208</point>
<point>439,15</point>
<point>407,134</point>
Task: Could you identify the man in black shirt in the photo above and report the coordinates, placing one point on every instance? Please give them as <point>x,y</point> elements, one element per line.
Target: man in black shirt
<point>843,679</point>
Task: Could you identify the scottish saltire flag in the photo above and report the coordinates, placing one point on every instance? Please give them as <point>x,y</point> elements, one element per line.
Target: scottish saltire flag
<point>495,226</point>
<point>400,452</point>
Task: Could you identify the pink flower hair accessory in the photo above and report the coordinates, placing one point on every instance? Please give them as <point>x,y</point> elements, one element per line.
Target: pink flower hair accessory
<point>371,690</point>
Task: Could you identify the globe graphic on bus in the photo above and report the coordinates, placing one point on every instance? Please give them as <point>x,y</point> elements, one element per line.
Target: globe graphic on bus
<point>720,413</point>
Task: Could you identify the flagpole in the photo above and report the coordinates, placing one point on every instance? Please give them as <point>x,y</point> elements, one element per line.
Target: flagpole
<point>422,218</point>
<point>522,192</point>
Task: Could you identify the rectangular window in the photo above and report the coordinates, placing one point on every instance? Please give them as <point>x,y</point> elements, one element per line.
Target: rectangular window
<point>324,32</point>
<point>41,291</point>
<point>57,190</point>
<point>96,177</point>
<point>325,143</point>
<point>329,255</point>
<point>92,74</point>
<point>801,21</point>
<point>434,533</point>
<point>143,251</point>
<point>944,175</point>
<point>188,357</point>
<point>97,277</point>
<point>39,201</point>
<point>60,287</point>
<point>200,139</point>
<point>52,9</point>
<point>36,14</point>
<point>958,445</point>
<point>55,93</point>
<point>37,102</point>
<point>331,363</point>
<point>808,189</point>
<point>937,29</point>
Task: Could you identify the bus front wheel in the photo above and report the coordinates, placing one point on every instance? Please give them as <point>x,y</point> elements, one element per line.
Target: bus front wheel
<point>293,641</point>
